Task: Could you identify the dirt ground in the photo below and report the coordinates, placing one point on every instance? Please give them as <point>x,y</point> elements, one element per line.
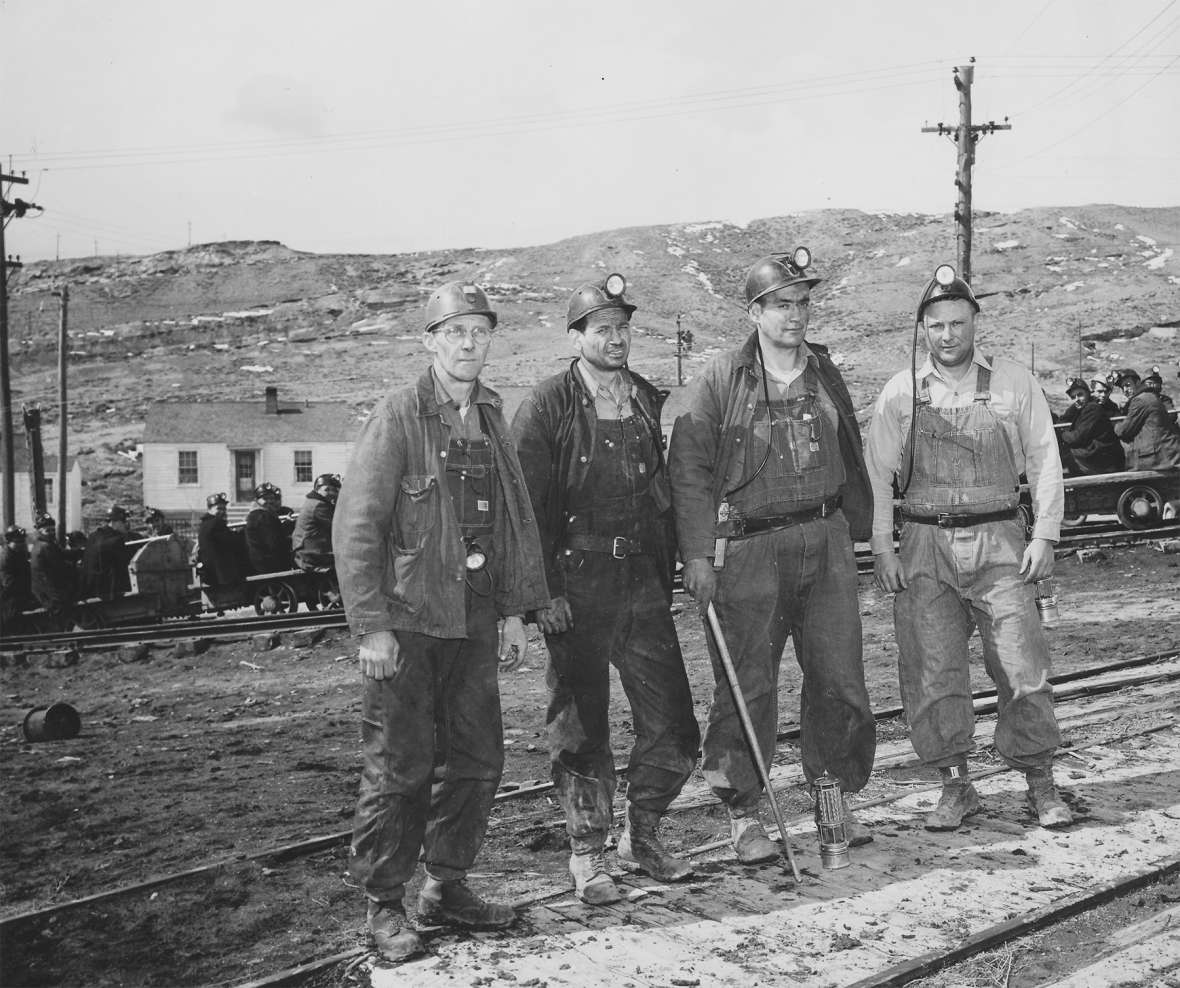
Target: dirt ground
<point>186,759</point>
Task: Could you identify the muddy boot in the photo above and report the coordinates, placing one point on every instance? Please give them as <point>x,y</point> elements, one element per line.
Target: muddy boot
<point>395,939</point>
<point>592,882</point>
<point>1044,801</point>
<point>640,848</point>
<point>958,800</point>
<point>749,839</point>
<point>857,833</point>
<point>454,904</point>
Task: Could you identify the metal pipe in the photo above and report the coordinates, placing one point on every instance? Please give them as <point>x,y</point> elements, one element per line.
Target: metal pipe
<point>739,701</point>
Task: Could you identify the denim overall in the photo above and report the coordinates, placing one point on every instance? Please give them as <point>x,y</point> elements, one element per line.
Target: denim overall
<point>621,617</point>
<point>964,578</point>
<point>798,581</point>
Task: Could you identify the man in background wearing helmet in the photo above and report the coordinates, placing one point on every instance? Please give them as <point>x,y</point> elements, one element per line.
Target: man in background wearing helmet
<point>54,577</point>
<point>770,489</point>
<point>312,538</point>
<point>1089,434</point>
<point>219,550</point>
<point>268,545</point>
<point>957,448</point>
<point>16,580</point>
<point>591,448</point>
<point>157,524</point>
<point>435,540</point>
<point>104,562</point>
<point>1147,429</point>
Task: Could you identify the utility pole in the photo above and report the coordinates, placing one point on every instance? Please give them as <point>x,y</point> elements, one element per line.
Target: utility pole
<point>17,208</point>
<point>36,461</point>
<point>62,418</point>
<point>683,345</point>
<point>965,137</point>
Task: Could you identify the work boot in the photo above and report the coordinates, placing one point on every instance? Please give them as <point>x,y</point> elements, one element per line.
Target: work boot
<point>958,800</point>
<point>453,903</point>
<point>592,882</point>
<point>750,840</point>
<point>640,848</point>
<point>396,940</point>
<point>857,833</point>
<point>1043,799</point>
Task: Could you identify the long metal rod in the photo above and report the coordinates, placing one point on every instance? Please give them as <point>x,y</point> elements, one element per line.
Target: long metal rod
<point>63,419</point>
<point>739,701</point>
<point>8,481</point>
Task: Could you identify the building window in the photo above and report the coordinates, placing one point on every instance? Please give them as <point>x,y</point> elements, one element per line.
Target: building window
<point>186,466</point>
<point>49,490</point>
<point>303,466</point>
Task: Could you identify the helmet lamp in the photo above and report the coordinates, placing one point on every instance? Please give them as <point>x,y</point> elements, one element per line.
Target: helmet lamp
<point>944,274</point>
<point>615,285</point>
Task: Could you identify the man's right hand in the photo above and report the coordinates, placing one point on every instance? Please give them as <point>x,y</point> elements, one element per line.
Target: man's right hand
<point>700,580</point>
<point>556,618</point>
<point>379,655</point>
<point>887,572</point>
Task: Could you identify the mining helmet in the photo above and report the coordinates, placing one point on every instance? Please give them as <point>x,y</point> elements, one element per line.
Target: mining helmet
<point>775,271</point>
<point>327,480</point>
<point>946,284</point>
<point>214,499</point>
<point>1127,376</point>
<point>1075,384</point>
<point>606,294</point>
<point>152,514</point>
<point>1154,378</point>
<point>14,533</point>
<point>457,298</point>
<point>44,520</point>
<point>1100,381</point>
<point>116,513</point>
<point>267,489</point>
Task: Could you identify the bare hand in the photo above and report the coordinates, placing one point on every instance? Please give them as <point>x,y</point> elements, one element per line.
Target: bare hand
<point>556,618</point>
<point>700,580</point>
<point>1037,562</point>
<point>379,655</point>
<point>514,643</point>
<point>888,574</point>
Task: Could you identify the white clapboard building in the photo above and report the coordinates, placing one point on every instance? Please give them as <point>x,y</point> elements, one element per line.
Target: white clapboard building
<point>23,492</point>
<point>196,448</point>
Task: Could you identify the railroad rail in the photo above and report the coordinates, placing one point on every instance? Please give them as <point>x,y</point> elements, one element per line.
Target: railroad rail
<point>651,904</point>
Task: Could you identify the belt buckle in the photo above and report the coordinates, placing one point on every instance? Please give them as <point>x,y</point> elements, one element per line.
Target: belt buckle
<point>826,509</point>
<point>619,547</point>
<point>946,520</point>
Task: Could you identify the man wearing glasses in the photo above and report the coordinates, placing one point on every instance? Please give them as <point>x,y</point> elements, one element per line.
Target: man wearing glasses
<point>435,541</point>
<point>592,451</point>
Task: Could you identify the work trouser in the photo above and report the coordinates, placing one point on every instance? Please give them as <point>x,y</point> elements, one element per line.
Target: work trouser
<point>433,754</point>
<point>798,581</point>
<point>622,618</point>
<point>959,579</point>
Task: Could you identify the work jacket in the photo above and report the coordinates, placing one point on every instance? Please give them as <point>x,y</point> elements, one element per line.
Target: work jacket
<point>1091,441</point>
<point>312,538</point>
<point>400,556</point>
<point>708,453</point>
<point>555,429</point>
<point>1147,428</point>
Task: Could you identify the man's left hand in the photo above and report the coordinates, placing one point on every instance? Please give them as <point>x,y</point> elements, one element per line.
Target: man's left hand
<point>1037,563</point>
<point>514,643</point>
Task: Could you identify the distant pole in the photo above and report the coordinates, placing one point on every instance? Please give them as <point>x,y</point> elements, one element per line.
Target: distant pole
<point>62,444</point>
<point>1032,357</point>
<point>965,137</point>
<point>679,354</point>
<point>6,430</point>
<point>32,418</point>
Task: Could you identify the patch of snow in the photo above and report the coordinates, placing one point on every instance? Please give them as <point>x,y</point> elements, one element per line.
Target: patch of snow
<point>1006,244</point>
<point>635,250</point>
<point>1074,285</point>
<point>1146,240</point>
<point>247,314</point>
<point>700,227</point>
<point>1119,226</point>
<point>1066,221</point>
<point>220,346</point>
<point>676,251</point>
<point>1055,268</point>
<point>258,369</point>
<point>1158,262</point>
<point>902,263</point>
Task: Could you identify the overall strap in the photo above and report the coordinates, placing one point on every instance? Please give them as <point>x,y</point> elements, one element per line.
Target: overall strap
<point>983,385</point>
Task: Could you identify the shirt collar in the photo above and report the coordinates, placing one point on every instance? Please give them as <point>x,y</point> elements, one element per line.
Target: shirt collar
<point>593,384</point>
<point>479,394</point>
<point>928,367</point>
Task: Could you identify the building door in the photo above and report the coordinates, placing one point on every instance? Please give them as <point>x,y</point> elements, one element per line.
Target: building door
<point>244,469</point>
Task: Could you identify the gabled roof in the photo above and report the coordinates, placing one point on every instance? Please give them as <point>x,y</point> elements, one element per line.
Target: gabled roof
<point>247,423</point>
<point>21,464</point>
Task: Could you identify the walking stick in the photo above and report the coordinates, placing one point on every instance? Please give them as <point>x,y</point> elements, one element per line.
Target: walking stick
<point>739,701</point>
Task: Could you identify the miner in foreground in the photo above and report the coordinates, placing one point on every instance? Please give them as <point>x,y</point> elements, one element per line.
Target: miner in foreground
<point>435,543</point>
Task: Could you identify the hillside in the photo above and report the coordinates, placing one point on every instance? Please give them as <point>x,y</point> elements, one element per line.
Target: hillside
<point>1096,283</point>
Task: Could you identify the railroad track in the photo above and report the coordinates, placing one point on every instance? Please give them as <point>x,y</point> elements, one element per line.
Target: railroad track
<point>1092,534</point>
<point>1136,672</point>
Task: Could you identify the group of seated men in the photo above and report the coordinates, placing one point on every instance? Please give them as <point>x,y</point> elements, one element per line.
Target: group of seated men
<point>1146,438</point>
<point>274,538</point>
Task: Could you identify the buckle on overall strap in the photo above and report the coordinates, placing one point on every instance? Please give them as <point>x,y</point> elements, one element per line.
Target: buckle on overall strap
<point>620,547</point>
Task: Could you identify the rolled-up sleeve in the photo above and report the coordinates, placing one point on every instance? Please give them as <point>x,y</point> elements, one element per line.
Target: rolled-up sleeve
<point>692,455</point>
<point>883,451</point>
<point>1042,463</point>
<point>364,521</point>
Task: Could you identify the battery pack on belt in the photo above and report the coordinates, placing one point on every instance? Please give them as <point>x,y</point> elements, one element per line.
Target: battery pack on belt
<point>739,527</point>
<point>947,520</point>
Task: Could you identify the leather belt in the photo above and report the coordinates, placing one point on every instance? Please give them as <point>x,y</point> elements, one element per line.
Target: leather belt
<point>736,528</point>
<point>947,520</point>
<point>615,545</point>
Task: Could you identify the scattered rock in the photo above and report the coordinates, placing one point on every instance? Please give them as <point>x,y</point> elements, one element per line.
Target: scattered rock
<point>264,642</point>
<point>139,652</point>
<point>1091,556</point>
<point>307,638</point>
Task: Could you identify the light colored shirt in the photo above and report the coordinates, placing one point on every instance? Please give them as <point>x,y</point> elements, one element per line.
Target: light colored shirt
<point>1017,401</point>
<point>607,404</point>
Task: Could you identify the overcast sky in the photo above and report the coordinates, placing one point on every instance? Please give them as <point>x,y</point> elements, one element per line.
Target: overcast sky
<point>387,126</point>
